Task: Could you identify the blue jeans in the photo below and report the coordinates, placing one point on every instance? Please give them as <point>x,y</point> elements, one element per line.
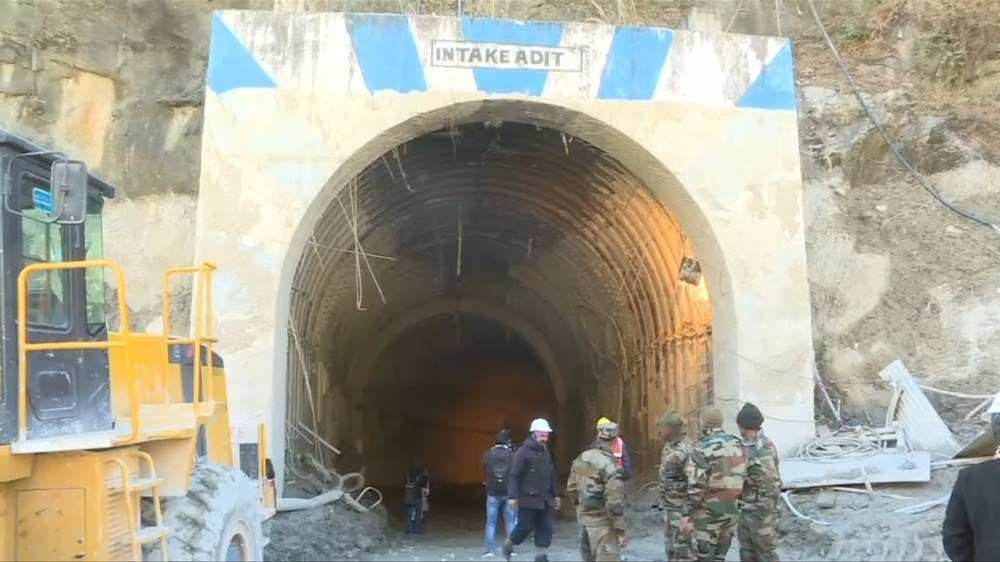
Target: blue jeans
<point>493,506</point>
<point>414,520</point>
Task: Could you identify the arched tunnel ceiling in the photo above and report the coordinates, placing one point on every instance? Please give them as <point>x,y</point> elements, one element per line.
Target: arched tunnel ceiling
<point>512,216</point>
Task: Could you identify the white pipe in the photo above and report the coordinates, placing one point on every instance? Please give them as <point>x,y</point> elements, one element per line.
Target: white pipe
<point>787,496</point>
<point>298,504</point>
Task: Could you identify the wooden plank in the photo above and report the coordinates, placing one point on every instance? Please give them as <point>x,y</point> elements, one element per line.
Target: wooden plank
<point>881,468</point>
<point>923,426</point>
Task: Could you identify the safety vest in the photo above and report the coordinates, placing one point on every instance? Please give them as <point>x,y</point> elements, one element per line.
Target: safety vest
<point>618,449</point>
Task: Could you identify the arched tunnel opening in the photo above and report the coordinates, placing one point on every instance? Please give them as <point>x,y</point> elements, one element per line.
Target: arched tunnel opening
<point>441,400</point>
<point>478,276</point>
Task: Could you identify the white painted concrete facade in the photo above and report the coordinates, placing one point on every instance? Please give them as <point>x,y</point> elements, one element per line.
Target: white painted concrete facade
<point>298,104</point>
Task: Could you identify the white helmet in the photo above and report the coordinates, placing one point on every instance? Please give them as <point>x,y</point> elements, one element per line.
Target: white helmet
<point>540,424</point>
<point>993,409</point>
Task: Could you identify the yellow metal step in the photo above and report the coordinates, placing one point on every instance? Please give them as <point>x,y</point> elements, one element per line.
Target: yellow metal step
<point>74,442</point>
<point>159,421</point>
<point>138,485</point>
<point>152,534</point>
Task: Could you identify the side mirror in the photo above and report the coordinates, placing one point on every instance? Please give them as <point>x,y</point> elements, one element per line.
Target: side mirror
<point>69,191</point>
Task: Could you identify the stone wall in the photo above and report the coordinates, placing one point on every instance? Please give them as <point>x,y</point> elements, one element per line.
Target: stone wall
<point>119,84</point>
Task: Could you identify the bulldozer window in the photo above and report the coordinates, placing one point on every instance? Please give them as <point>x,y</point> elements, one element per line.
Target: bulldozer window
<point>48,305</point>
<point>97,316</point>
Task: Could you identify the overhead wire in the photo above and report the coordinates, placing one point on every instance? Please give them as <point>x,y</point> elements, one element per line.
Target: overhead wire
<point>885,136</point>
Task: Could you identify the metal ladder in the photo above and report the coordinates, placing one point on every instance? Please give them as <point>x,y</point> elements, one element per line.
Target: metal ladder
<point>142,535</point>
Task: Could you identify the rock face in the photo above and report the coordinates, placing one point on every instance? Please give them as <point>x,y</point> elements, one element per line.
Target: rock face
<point>119,85</point>
<point>893,273</point>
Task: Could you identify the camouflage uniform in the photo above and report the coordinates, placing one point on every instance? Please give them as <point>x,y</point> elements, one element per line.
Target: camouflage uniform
<point>598,491</point>
<point>759,504</point>
<point>715,481</point>
<point>673,498</point>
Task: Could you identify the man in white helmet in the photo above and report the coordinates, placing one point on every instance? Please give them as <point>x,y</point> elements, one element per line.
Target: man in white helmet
<point>973,516</point>
<point>534,491</point>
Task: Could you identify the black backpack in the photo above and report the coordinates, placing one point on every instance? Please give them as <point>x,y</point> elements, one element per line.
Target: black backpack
<point>499,468</point>
<point>413,492</point>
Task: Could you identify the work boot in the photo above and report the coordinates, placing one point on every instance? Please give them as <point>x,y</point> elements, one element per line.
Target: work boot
<point>507,550</point>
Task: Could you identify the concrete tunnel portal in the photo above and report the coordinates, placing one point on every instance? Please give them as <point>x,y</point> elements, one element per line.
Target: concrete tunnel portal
<point>413,251</point>
<point>481,275</point>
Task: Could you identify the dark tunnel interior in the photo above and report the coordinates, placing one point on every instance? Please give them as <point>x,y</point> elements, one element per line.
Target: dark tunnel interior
<point>482,275</point>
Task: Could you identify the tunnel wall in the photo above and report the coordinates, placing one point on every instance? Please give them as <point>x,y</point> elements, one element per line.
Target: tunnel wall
<point>298,104</point>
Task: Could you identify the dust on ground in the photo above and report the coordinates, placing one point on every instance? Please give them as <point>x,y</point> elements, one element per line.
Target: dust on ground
<point>330,532</point>
<point>860,526</point>
<point>857,526</point>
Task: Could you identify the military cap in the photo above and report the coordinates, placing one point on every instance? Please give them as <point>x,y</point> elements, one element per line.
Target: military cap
<point>710,418</point>
<point>671,419</point>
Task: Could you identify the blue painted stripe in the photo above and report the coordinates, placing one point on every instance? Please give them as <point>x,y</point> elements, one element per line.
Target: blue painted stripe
<point>230,64</point>
<point>386,52</point>
<point>635,60</point>
<point>511,81</point>
<point>775,87</point>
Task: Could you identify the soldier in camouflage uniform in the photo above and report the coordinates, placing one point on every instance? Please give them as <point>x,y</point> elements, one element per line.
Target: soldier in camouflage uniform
<point>715,481</point>
<point>598,491</point>
<point>761,489</point>
<point>673,485</point>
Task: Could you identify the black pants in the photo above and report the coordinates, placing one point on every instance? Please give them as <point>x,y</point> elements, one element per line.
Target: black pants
<point>414,520</point>
<point>539,521</point>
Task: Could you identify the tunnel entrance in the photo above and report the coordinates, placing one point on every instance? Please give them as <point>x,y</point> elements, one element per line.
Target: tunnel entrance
<point>481,275</point>
<point>441,400</point>
<point>570,196</point>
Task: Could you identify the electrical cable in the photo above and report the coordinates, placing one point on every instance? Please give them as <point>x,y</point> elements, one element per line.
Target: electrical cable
<point>956,394</point>
<point>885,136</point>
<point>851,443</point>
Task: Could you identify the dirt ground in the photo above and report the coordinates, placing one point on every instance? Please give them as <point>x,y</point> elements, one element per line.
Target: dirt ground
<point>858,526</point>
<point>864,527</point>
<point>332,532</point>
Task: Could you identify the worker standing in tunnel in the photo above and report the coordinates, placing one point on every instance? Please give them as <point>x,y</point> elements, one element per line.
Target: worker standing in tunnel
<point>534,491</point>
<point>619,449</point>
<point>715,474</point>
<point>673,485</point>
<point>758,528</point>
<point>597,489</point>
<point>496,467</point>
<point>416,490</point>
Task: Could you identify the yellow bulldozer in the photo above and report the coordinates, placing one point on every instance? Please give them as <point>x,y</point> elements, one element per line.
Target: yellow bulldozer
<point>114,445</point>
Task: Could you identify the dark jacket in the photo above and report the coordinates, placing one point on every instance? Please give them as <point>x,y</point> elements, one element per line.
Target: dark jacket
<point>626,459</point>
<point>973,516</point>
<point>533,477</point>
<point>626,463</point>
<point>496,465</point>
<point>417,481</point>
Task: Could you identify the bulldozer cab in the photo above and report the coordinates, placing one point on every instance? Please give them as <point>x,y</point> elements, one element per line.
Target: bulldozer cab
<point>51,212</point>
<point>114,444</point>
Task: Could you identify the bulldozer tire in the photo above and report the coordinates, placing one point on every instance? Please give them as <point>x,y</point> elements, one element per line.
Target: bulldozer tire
<point>220,518</point>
